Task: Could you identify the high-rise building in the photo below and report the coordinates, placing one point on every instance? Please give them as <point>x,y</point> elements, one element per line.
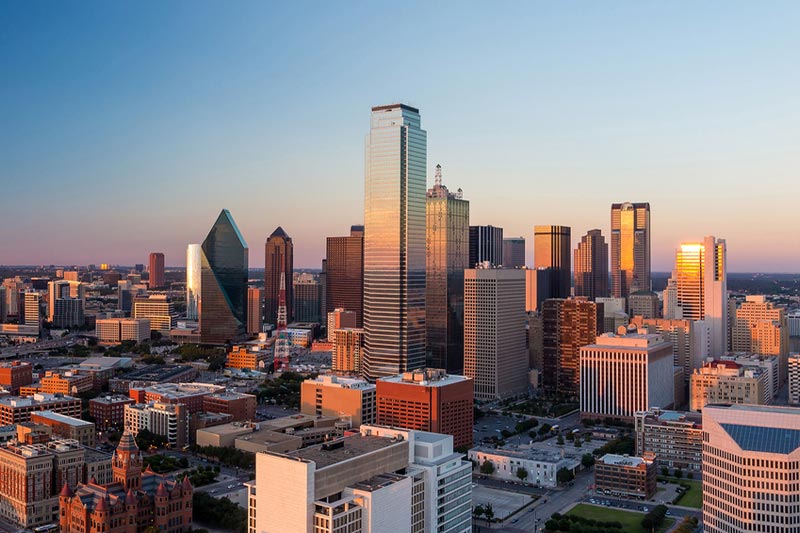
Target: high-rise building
<point>340,318</point>
<point>514,252</point>
<point>194,267</point>
<point>394,242</point>
<point>279,261</point>
<point>66,303</point>
<point>701,278</point>
<point>427,399</point>
<point>729,382</point>
<point>156,270</point>
<point>169,420</point>
<point>30,307</point>
<point>567,325</point>
<point>760,327</point>
<point>644,304</point>
<point>347,352</point>
<point>630,248</point>
<point>591,265</point>
<point>794,378</point>
<point>223,282</point>
<point>537,288</point>
<point>344,273</point>
<point>338,396</point>
<point>676,438</point>
<point>306,291</point>
<point>158,309</point>
<point>672,309</point>
<point>255,310</point>
<point>622,374</point>
<point>14,287</point>
<point>447,256</point>
<point>485,246</point>
<point>750,468</point>
<point>552,250</point>
<point>3,304</point>
<point>495,348</point>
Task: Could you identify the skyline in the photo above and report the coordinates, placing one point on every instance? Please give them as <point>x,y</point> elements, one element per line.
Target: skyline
<point>134,133</point>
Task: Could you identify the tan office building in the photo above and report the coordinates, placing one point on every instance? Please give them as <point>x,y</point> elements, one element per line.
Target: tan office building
<point>348,346</point>
<point>339,397</point>
<point>728,382</point>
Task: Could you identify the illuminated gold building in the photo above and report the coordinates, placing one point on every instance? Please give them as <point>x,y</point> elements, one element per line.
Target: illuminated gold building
<point>630,248</point>
<point>760,327</point>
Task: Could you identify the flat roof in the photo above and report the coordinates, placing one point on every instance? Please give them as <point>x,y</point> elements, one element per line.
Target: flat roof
<point>113,398</point>
<point>378,482</point>
<point>442,381</point>
<point>63,419</point>
<point>622,460</point>
<point>393,106</point>
<point>157,372</point>
<point>232,428</point>
<point>351,447</point>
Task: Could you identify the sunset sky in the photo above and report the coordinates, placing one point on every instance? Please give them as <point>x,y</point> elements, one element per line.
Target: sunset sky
<point>126,126</point>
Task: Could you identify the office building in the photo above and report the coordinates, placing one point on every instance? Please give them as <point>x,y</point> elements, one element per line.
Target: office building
<point>191,395</point>
<point>156,270</point>
<point>514,252</point>
<point>307,293</point>
<point>485,246</point>
<point>674,437</point>
<point>340,318</point>
<point>14,375</point>
<point>108,410</point>
<point>69,382</point>
<point>250,357</point>
<point>625,476</point>
<point>194,267</point>
<point>344,274</point>
<point>729,382</point>
<point>624,373</point>
<point>223,282</point>
<point>338,396</point>
<point>135,500</point>
<point>240,406</point>
<point>495,349</point>
<point>428,399</point>
<point>671,309</point>
<point>171,421</point>
<point>591,266</point>
<point>447,245</point>
<point>347,352</point>
<point>567,325</point>
<point>750,468</point>
<point>541,466</point>
<point>701,282</point>
<point>760,327</point>
<point>279,261</point>
<point>14,410</point>
<point>13,288</point>
<point>794,379</point>
<point>255,310</point>
<point>630,248</point>
<point>644,304</point>
<point>535,341</point>
<point>158,309</point>
<point>614,315</point>
<point>116,330</point>
<point>111,278</point>
<point>552,251</point>
<point>380,480</point>
<point>66,303</point>
<point>394,242</point>
<point>67,427</point>
<point>537,288</point>
<point>30,308</point>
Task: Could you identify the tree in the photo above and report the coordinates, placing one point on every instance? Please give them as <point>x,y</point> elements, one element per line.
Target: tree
<point>578,443</point>
<point>690,475</point>
<point>478,511</point>
<point>664,471</point>
<point>489,512</point>
<point>587,460</point>
<point>560,440</point>
<point>146,438</point>
<point>487,467</point>
<point>522,473</point>
<point>564,475</point>
<point>678,473</point>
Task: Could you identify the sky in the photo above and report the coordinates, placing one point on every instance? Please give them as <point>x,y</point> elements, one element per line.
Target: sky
<point>125,127</point>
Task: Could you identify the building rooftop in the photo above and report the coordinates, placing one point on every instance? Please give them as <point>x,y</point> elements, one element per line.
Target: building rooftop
<point>622,460</point>
<point>332,380</point>
<point>378,482</point>
<point>63,419</point>
<point>233,428</point>
<point>39,397</point>
<point>104,363</point>
<point>176,391</point>
<point>230,395</point>
<point>157,372</point>
<point>426,377</point>
<point>113,398</point>
<point>344,449</point>
<point>524,453</point>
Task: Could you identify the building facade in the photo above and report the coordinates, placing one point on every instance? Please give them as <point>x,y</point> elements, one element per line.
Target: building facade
<point>552,251</point>
<point>591,266</point>
<point>279,261</point>
<point>66,303</point>
<point>794,379</point>
<point>108,410</point>
<point>255,310</point>
<point>194,268</point>
<point>340,397</point>
<point>156,270</point>
<point>158,309</point>
<point>485,246</point>
<point>15,374</point>
<point>630,248</point>
<point>728,382</point>
<point>514,252</point>
<point>307,292</point>
<point>567,325</point>
<point>344,273</point>
<point>676,438</point>
<point>347,352</point>
<point>116,330</point>
<point>625,476</point>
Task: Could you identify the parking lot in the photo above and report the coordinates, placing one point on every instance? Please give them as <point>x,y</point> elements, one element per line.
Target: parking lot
<point>503,502</point>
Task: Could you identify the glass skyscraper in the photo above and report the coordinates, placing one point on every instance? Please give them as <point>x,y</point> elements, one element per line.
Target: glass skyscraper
<point>193,263</point>
<point>223,282</point>
<point>630,248</point>
<point>552,251</point>
<point>394,242</point>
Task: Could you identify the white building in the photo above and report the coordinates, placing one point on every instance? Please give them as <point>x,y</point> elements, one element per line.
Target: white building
<point>624,373</point>
<point>171,421</point>
<point>751,467</point>
<point>541,467</point>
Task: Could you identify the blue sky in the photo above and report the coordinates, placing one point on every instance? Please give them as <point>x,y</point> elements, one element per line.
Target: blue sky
<point>125,127</point>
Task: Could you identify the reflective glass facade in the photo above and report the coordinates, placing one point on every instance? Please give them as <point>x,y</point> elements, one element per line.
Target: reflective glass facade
<point>344,284</point>
<point>552,250</point>
<point>223,283</point>
<point>278,258</point>
<point>394,242</point>
<point>630,248</point>
<point>193,262</point>
<point>591,266</point>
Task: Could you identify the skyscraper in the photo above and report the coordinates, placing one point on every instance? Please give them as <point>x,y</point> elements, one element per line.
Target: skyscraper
<point>567,325</point>
<point>31,309</point>
<point>306,298</point>
<point>156,270</point>
<point>552,249</point>
<point>514,252</point>
<point>591,266</point>
<point>630,248</point>
<point>66,303</point>
<point>223,284</point>
<point>194,255</point>
<point>278,258</point>
<point>344,273</point>
<point>447,257</point>
<point>485,245</point>
<point>255,310</point>
<point>394,242</point>
<point>702,287</point>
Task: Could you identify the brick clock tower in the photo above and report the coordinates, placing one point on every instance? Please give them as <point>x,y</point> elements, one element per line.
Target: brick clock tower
<point>127,463</point>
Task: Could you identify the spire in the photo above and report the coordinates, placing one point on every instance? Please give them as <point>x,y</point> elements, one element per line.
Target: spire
<point>130,497</point>
<point>127,443</point>
<point>186,484</point>
<point>102,504</point>
<point>161,491</point>
<point>66,492</point>
<point>438,175</point>
<point>279,232</point>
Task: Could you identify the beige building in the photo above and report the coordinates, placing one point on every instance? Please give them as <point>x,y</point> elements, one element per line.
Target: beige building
<point>156,307</point>
<point>676,438</point>
<point>339,397</point>
<point>116,330</point>
<point>171,421</point>
<point>67,427</point>
<point>728,382</point>
<point>750,469</point>
<point>495,351</point>
<point>65,383</point>
<point>762,328</point>
<point>346,355</point>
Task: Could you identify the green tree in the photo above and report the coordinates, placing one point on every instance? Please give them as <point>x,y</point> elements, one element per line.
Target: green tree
<point>587,460</point>
<point>560,440</point>
<point>664,471</point>
<point>678,473</point>
<point>564,475</point>
<point>578,443</point>
<point>478,511</point>
<point>487,467</point>
<point>489,512</point>
<point>522,474</point>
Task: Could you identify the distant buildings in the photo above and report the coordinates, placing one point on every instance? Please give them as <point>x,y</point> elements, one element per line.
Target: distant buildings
<point>625,476</point>
<point>116,330</point>
<point>485,246</point>
<point>428,400</point>
<point>394,242</point>
<point>552,251</point>
<point>158,309</point>
<point>194,267</point>
<point>645,304</point>
<point>514,252</point>
<point>338,396</point>
<point>223,282</point>
<point>621,374</point>
<point>156,270</point>
<point>495,351</point>
<point>348,350</point>
<point>676,438</point>
<point>591,266</point>
<point>760,327</point>
<point>794,379</point>
<point>255,310</point>
<point>30,309</point>
<point>567,325</point>
<point>66,303</point>
<point>307,293</point>
<point>344,271</point>
<point>448,248</point>
<point>279,261</point>
<point>729,382</point>
<point>630,248</point>
<point>750,468</point>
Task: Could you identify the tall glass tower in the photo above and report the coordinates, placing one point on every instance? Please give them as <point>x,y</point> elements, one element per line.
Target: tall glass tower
<point>193,266</point>
<point>394,242</point>
<point>630,248</point>
<point>223,282</point>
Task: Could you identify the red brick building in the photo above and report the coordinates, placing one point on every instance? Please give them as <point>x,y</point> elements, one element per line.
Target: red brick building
<point>109,410</point>
<point>427,400</point>
<point>241,406</point>
<point>15,375</point>
<point>134,501</point>
<point>189,394</point>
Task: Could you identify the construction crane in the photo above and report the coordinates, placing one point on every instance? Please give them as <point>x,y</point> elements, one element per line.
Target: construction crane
<point>281,357</point>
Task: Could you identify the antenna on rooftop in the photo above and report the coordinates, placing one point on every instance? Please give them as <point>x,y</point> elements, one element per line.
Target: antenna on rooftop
<point>438,175</point>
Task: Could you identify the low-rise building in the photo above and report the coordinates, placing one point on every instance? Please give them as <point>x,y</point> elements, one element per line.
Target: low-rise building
<point>674,437</point>
<point>239,405</point>
<point>729,382</point>
<point>14,409</point>
<point>171,421</point>
<point>152,375</point>
<point>67,382</point>
<point>67,427</point>
<point>15,374</point>
<point>191,395</point>
<point>330,395</point>
<point>97,466</point>
<point>625,476</point>
<point>541,467</point>
<point>247,356</point>
<point>109,410</point>
<point>111,331</point>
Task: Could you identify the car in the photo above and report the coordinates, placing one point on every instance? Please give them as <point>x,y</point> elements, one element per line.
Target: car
<point>515,521</point>
<point>213,491</point>
<point>646,510</point>
<point>531,510</point>
<point>669,513</point>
